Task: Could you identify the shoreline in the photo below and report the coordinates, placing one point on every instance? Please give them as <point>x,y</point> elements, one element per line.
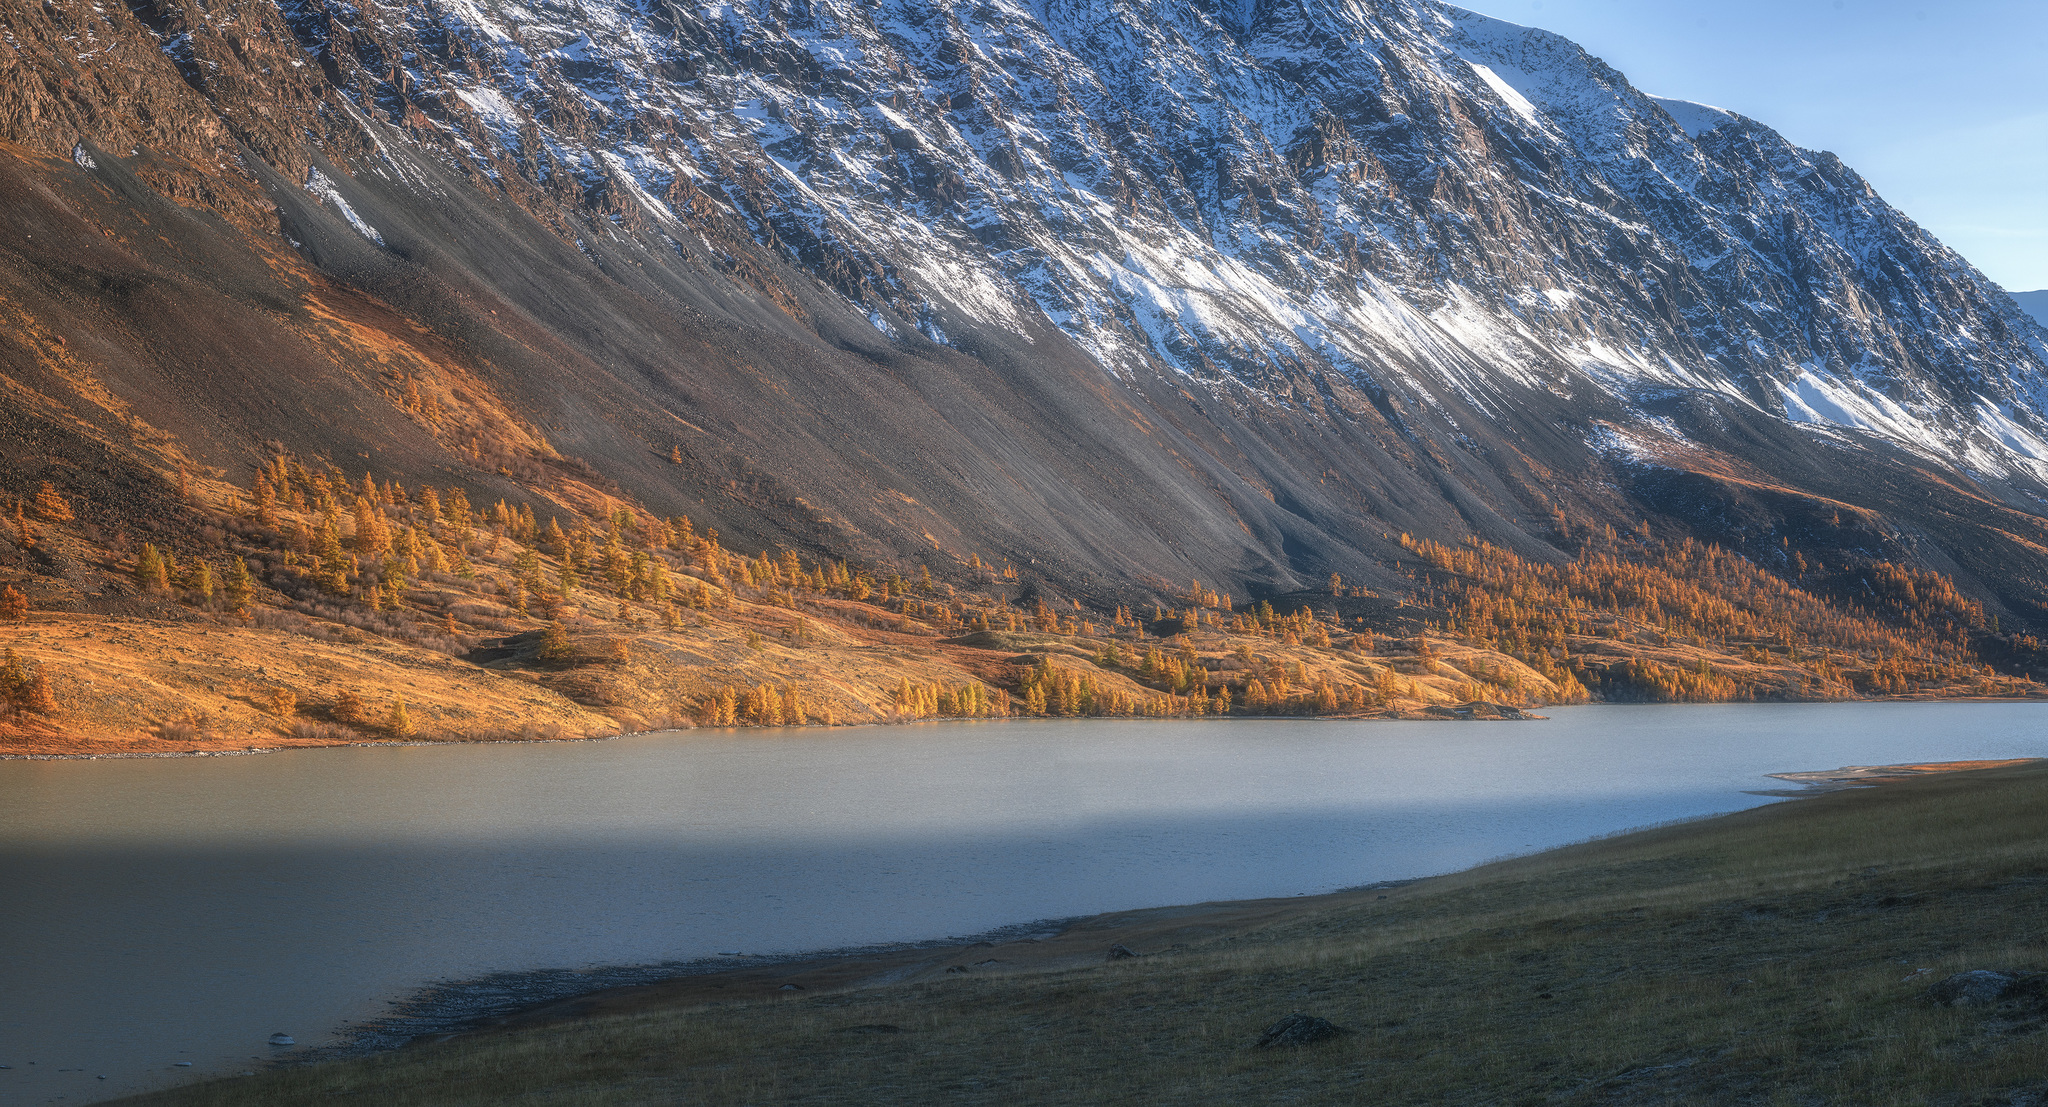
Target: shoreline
<point>1438,715</point>
<point>516,999</point>
<point>502,1001</point>
<point>1459,714</point>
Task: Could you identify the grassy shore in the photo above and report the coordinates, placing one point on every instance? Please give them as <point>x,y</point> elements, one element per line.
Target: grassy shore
<point>1777,956</point>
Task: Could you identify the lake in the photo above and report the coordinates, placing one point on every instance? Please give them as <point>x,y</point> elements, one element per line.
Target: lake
<point>158,911</point>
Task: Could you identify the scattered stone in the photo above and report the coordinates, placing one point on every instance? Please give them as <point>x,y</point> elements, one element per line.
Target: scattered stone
<point>956,968</point>
<point>791,988</point>
<point>872,1028</point>
<point>1119,952</point>
<point>1973,988</point>
<point>1299,1030</point>
<point>181,1064</point>
<point>987,963</point>
<point>282,1039</point>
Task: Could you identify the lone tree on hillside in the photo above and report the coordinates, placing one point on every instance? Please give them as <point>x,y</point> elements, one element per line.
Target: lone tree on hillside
<point>13,605</point>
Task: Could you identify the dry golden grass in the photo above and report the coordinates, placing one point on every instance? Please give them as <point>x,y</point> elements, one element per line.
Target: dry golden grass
<point>1769,957</point>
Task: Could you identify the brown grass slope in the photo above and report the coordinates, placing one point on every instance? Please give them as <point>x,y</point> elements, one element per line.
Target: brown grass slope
<point>1778,956</point>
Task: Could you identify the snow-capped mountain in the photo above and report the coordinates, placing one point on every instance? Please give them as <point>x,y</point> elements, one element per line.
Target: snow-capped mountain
<point>1267,199</point>
<point>1243,252</point>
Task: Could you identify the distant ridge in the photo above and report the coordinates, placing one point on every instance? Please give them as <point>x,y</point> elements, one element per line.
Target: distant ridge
<point>2034,304</point>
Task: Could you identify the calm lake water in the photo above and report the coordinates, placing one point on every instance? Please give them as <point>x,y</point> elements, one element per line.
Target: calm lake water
<point>157,911</point>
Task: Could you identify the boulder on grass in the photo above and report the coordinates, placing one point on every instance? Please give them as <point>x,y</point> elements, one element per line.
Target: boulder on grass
<point>1299,1030</point>
<point>1974,988</point>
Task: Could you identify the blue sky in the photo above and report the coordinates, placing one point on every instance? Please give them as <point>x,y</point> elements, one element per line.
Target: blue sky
<point>1943,107</point>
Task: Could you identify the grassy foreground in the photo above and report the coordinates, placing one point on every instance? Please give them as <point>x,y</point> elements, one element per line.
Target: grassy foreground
<point>1777,956</point>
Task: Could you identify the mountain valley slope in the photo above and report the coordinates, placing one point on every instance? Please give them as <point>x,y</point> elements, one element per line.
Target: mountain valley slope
<point>1112,296</point>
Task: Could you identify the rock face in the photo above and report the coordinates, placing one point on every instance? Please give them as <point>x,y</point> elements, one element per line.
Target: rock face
<point>1121,292</point>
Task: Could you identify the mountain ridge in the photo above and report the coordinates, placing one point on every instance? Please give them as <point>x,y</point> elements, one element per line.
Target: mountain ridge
<point>1155,289</point>
<point>2034,304</point>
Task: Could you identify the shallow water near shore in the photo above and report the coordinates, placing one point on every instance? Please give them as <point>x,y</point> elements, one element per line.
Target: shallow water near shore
<point>159,911</point>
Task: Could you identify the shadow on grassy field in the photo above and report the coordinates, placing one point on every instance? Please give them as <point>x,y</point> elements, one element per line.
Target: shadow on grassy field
<point>1779,955</point>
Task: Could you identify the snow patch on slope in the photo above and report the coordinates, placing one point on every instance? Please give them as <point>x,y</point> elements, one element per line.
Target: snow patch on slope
<point>323,186</point>
<point>1507,92</point>
<point>1694,119</point>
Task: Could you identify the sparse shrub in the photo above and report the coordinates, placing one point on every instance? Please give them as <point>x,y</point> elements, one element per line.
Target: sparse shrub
<point>40,699</point>
<point>348,708</point>
<point>284,703</point>
<point>25,687</point>
<point>307,730</point>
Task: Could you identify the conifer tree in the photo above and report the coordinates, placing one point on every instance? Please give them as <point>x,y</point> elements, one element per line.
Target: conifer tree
<point>373,536</point>
<point>199,580</point>
<point>50,506</point>
<point>265,495</point>
<point>14,679</point>
<point>150,571</point>
<point>397,721</point>
<point>13,604</point>
<point>554,643</point>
